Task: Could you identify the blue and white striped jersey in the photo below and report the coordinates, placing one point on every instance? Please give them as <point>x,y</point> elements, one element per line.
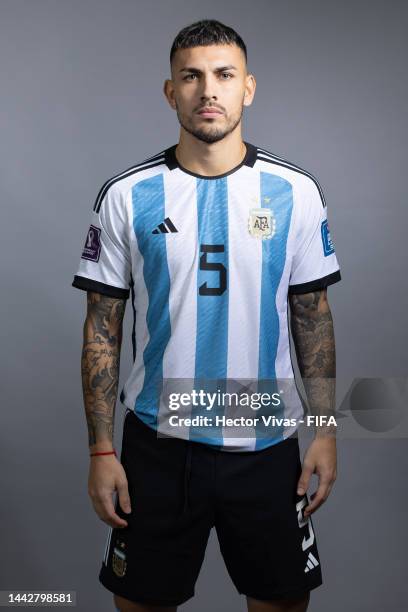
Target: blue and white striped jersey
<point>209,263</point>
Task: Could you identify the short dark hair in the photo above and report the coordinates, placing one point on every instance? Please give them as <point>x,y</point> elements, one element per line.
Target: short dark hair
<point>204,33</point>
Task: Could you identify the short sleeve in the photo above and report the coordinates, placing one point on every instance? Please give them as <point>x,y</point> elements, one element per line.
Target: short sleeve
<point>105,263</point>
<point>314,264</point>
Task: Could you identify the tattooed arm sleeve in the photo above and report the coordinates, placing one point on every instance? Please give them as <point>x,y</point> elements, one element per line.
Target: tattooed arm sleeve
<point>100,366</point>
<point>313,336</point>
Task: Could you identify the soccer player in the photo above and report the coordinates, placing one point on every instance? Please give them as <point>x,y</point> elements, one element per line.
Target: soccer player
<point>214,239</point>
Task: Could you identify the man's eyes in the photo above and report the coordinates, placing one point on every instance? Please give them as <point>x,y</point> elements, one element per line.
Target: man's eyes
<point>225,76</point>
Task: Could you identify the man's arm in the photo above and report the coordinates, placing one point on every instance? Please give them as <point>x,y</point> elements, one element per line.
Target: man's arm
<point>313,336</point>
<point>100,378</point>
<point>100,366</point>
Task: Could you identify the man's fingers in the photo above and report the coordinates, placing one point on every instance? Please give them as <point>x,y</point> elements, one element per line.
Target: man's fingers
<point>124,499</point>
<point>318,497</point>
<point>104,508</point>
<point>304,479</point>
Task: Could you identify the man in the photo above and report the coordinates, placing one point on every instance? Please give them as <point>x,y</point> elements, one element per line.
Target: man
<point>211,237</point>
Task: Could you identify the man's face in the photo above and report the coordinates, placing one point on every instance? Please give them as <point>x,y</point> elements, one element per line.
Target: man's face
<point>209,88</point>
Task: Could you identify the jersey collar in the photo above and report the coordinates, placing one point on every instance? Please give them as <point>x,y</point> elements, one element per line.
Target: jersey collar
<point>172,163</point>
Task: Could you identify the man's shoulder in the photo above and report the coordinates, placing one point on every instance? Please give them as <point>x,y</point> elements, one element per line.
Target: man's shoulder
<point>275,164</point>
<point>119,184</point>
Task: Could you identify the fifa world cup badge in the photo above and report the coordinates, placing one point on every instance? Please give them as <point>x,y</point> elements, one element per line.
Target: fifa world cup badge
<point>261,223</point>
<point>119,559</point>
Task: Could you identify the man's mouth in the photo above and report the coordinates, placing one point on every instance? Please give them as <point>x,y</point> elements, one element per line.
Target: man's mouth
<point>209,112</point>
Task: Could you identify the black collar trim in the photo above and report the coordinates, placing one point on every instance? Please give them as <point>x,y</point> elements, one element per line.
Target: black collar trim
<point>172,162</point>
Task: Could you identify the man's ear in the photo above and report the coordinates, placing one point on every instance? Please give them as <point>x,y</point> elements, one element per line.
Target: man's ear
<point>168,90</point>
<point>250,87</point>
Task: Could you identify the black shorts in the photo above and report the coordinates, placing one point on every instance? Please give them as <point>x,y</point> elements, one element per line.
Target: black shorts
<point>179,490</point>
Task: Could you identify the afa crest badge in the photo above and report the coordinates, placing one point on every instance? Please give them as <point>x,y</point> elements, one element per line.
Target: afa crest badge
<point>261,223</point>
<point>119,559</point>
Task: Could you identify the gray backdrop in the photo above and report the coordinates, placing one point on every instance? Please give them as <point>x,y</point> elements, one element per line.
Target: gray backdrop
<point>81,100</point>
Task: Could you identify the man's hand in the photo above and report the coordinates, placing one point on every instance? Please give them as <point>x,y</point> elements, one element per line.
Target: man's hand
<point>320,458</point>
<point>106,475</point>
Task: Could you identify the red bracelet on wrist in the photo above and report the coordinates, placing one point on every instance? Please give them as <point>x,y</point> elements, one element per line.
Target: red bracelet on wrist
<point>97,454</point>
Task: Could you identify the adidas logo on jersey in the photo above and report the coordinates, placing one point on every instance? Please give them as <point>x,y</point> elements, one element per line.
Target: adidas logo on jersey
<point>165,227</point>
<point>312,562</point>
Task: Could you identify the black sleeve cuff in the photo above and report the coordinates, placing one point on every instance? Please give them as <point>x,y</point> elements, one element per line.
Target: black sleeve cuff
<point>87,284</point>
<point>315,285</point>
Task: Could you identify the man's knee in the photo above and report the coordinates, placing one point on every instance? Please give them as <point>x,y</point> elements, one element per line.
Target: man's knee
<point>298,604</point>
<point>125,605</point>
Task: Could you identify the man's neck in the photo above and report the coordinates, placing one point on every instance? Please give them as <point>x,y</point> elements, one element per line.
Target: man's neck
<point>210,159</point>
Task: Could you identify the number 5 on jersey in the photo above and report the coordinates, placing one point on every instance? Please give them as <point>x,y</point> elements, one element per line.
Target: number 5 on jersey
<point>213,266</point>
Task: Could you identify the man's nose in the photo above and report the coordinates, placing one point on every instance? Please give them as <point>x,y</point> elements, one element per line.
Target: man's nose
<point>208,91</point>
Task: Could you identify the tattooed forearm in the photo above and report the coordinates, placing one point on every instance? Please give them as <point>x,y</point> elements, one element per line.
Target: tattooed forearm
<point>313,336</point>
<point>312,330</point>
<point>100,364</point>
